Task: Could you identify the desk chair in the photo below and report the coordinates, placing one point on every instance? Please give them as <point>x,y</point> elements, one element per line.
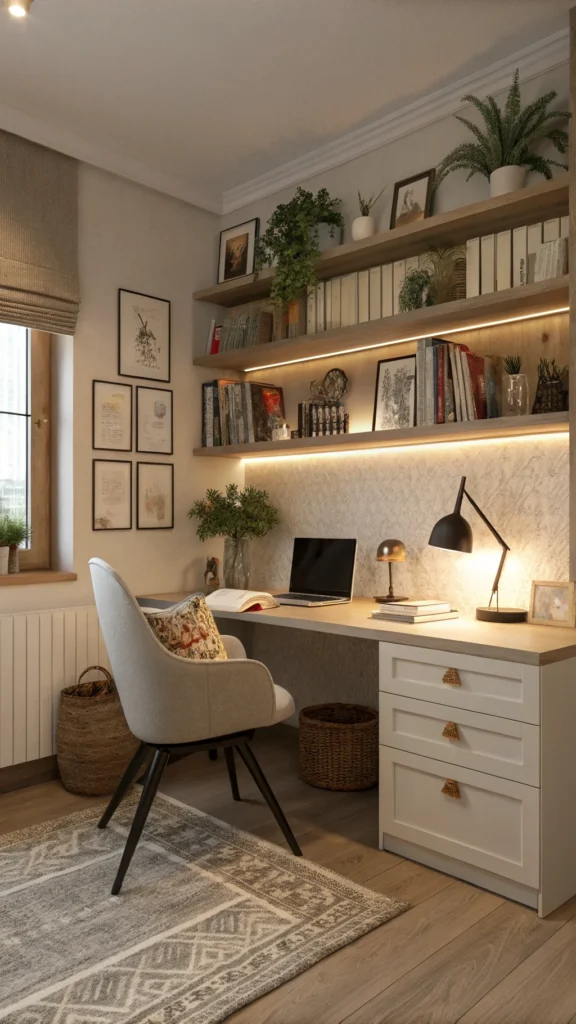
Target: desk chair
<point>179,705</point>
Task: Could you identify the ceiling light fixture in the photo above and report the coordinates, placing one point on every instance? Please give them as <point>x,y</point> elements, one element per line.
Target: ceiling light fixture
<point>18,8</point>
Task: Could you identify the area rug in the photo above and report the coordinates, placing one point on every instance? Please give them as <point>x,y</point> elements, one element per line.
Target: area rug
<point>209,919</point>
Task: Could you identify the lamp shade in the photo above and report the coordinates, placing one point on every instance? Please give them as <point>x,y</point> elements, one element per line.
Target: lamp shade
<point>452,532</point>
<point>391,551</point>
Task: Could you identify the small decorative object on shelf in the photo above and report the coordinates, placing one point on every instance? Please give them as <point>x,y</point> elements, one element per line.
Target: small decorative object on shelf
<point>551,390</point>
<point>395,398</point>
<point>364,226</point>
<point>412,199</point>
<point>390,551</point>
<point>415,291</point>
<point>323,413</point>
<point>440,277</point>
<point>504,151</point>
<point>280,430</point>
<point>552,604</point>
<point>211,577</point>
<point>237,516</point>
<point>237,250</point>
<point>515,387</point>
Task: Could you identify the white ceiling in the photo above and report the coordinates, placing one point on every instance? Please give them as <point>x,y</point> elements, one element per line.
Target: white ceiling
<point>199,96</point>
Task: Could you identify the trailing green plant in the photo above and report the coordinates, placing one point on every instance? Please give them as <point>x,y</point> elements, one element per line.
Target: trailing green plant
<point>415,291</point>
<point>549,371</point>
<point>236,514</point>
<point>290,242</point>
<point>366,204</point>
<point>509,136</point>
<point>14,530</point>
<point>512,364</point>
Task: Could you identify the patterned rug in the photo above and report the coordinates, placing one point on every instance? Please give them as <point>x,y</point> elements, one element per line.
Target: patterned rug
<point>209,919</point>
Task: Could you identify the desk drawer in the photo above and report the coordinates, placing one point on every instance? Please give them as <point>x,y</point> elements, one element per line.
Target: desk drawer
<point>498,746</point>
<point>502,688</point>
<point>494,824</point>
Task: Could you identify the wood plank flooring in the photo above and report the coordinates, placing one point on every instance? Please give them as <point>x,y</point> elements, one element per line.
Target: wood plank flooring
<point>458,955</point>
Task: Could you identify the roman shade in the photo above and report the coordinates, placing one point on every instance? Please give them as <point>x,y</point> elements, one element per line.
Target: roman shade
<point>38,236</point>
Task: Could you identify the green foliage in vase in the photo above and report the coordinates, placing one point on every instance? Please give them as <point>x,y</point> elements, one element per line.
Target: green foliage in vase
<point>548,371</point>
<point>14,530</point>
<point>415,291</point>
<point>366,203</point>
<point>236,514</point>
<point>290,242</point>
<point>509,136</point>
<point>512,364</point>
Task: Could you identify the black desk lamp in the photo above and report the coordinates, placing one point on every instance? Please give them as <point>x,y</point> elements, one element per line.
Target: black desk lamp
<point>454,532</point>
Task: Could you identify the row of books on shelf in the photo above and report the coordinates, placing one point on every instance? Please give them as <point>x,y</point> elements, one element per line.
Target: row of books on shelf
<point>239,412</point>
<point>320,419</point>
<point>255,328</point>
<point>510,259</point>
<point>453,384</point>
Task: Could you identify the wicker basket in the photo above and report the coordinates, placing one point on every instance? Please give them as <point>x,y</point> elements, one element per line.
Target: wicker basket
<point>339,746</point>
<point>93,741</point>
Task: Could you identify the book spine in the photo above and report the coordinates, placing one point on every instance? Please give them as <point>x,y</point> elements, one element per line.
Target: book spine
<point>336,313</point>
<point>503,260</point>
<point>375,293</point>
<point>216,407</point>
<point>249,412</point>
<point>564,227</point>
<point>461,389</point>
<point>429,382</point>
<point>421,382</point>
<point>472,267</point>
<point>398,275</point>
<point>440,357</point>
<point>487,265</point>
<point>470,408</point>
<point>328,306</point>
<point>533,243</point>
<point>455,384</point>
<point>363,296</point>
<point>551,229</point>
<point>519,257</point>
<point>216,340</point>
<point>435,378</point>
<point>207,416</point>
<point>320,306</point>
<point>210,337</point>
<point>349,300</point>
<point>311,310</point>
<point>387,308</point>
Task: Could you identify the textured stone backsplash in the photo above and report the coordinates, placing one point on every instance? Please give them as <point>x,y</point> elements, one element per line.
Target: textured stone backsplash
<point>520,484</point>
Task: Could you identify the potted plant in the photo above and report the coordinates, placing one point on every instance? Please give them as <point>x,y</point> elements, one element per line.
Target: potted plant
<point>17,532</point>
<point>440,278</point>
<point>505,149</point>
<point>364,226</point>
<point>515,387</point>
<point>296,234</point>
<point>4,543</point>
<point>237,516</point>
<point>551,389</point>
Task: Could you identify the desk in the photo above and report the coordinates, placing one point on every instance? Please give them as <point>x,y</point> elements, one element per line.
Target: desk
<point>477,756</point>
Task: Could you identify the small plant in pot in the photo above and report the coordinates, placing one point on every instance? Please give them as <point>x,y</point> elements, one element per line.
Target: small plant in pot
<point>551,389</point>
<point>296,234</point>
<point>504,150</point>
<point>364,226</point>
<point>14,531</point>
<point>440,278</point>
<point>237,516</point>
<point>515,387</point>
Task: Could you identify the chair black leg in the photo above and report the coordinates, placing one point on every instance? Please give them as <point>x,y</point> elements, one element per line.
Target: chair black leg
<point>261,781</point>
<point>213,755</point>
<point>231,766</point>
<point>126,781</point>
<point>161,758</point>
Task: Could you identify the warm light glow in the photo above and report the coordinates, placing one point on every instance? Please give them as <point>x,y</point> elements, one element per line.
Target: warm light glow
<point>18,8</point>
<point>415,337</point>
<point>402,449</point>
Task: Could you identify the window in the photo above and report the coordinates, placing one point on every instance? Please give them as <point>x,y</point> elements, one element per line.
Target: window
<point>25,436</point>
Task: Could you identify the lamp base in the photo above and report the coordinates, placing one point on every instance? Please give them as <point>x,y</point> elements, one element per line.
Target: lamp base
<point>501,614</point>
<point>389,600</point>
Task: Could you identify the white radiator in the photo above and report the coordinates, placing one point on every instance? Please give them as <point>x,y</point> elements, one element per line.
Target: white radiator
<point>40,653</point>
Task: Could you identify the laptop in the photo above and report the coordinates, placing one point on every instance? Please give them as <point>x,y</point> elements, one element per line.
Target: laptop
<point>322,572</point>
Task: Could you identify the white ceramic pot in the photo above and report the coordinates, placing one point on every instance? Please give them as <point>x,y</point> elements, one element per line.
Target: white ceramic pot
<point>506,179</point>
<point>4,555</point>
<point>363,227</point>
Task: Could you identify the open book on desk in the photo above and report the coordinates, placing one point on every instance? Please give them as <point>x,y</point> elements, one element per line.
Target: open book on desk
<point>228,600</point>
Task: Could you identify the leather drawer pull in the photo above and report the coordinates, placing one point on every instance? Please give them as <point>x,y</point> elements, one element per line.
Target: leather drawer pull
<point>451,677</point>
<point>450,731</point>
<point>451,788</point>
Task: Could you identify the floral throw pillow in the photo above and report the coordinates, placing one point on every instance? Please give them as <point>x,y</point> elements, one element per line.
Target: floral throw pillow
<point>188,630</point>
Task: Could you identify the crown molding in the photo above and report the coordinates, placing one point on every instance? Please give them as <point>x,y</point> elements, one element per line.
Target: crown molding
<point>74,145</point>
<point>532,60</point>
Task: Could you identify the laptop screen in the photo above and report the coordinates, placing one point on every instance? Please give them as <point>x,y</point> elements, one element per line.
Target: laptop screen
<point>321,566</point>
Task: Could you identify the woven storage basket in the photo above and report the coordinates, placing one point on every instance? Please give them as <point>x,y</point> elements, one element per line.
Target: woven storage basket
<point>93,741</point>
<point>339,746</point>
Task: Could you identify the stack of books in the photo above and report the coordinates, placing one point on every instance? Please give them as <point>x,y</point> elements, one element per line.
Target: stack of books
<point>239,412</point>
<point>454,385</point>
<point>415,611</point>
<point>243,331</point>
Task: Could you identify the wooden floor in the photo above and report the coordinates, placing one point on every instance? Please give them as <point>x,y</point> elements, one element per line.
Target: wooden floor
<point>460,954</point>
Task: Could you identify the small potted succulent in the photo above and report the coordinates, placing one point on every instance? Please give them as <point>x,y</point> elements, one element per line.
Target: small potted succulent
<point>365,225</point>
<point>515,387</point>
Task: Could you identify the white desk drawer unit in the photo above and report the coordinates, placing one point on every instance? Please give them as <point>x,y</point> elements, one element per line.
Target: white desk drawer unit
<point>477,769</point>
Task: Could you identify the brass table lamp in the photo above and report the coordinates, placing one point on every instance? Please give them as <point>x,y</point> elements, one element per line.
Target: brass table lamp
<point>390,551</point>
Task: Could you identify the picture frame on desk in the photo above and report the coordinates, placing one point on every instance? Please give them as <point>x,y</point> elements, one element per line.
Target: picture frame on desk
<point>552,604</point>
<point>395,395</point>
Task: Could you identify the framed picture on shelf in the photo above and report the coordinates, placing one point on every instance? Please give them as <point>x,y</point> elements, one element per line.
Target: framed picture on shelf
<point>237,250</point>
<point>111,494</point>
<point>552,604</point>
<point>154,421</point>
<point>412,199</point>
<point>111,416</point>
<point>143,336</point>
<point>395,398</point>
<point>154,496</point>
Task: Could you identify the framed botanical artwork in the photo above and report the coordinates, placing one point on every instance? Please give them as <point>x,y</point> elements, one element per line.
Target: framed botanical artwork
<point>111,494</point>
<point>154,496</point>
<point>143,336</point>
<point>412,199</point>
<point>552,604</point>
<point>111,416</point>
<point>154,421</point>
<point>395,398</point>
<point>237,250</point>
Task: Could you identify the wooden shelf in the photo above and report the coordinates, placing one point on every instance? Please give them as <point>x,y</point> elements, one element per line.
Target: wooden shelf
<point>529,205</point>
<point>476,430</point>
<point>529,300</point>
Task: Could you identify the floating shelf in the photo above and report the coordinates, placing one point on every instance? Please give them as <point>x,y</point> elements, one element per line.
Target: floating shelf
<point>463,314</point>
<point>526,206</point>
<point>476,430</point>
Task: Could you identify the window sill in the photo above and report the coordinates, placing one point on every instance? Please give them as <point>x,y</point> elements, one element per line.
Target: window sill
<point>22,579</point>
